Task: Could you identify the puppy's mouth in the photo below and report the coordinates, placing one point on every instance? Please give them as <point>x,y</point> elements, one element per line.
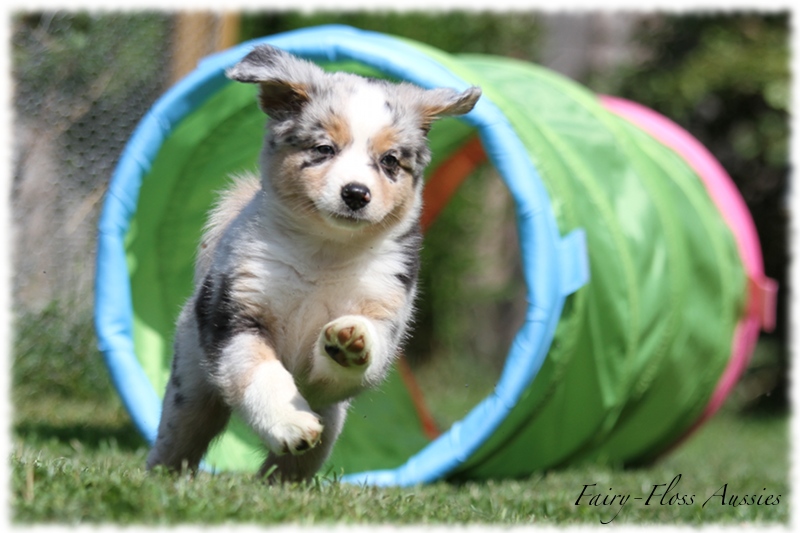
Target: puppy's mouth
<point>350,220</point>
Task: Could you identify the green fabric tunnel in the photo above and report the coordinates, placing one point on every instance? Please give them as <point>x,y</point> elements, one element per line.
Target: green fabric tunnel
<point>645,285</point>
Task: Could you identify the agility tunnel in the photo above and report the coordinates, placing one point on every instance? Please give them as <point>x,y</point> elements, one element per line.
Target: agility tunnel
<point>644,278</point>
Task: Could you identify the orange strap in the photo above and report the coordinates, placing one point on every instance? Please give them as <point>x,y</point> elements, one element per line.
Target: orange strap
<point>429,427</point>
<point>764,299</point>
<point>440,187</point>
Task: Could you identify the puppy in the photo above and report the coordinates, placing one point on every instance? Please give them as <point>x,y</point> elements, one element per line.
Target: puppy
<point>305,279</point>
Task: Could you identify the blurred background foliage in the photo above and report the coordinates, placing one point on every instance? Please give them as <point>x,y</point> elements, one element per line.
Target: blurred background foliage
<point>499,33</point>
<point>83,80</point>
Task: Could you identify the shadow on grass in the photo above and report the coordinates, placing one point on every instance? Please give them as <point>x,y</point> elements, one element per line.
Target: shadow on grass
<point>88,435</point>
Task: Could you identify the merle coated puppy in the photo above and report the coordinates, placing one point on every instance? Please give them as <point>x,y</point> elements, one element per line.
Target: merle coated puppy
<point>306,277</point>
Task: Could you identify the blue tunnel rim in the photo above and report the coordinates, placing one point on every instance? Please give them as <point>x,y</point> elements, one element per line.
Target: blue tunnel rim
<point>553,266</point>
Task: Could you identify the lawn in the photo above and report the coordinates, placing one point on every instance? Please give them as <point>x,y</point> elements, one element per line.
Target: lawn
<point>76,459</point>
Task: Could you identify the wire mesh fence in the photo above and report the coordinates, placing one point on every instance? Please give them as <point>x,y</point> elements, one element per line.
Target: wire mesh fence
<point>81,83</point>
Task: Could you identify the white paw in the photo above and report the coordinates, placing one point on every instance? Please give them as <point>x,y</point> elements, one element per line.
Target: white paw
<point>295,433</point>
<point>348,340</point>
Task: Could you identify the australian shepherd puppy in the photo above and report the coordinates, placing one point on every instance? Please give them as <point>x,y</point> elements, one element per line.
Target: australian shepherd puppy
<point>305,278</point>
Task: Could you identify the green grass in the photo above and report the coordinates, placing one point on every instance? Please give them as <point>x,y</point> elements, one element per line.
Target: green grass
<point>77,459</point>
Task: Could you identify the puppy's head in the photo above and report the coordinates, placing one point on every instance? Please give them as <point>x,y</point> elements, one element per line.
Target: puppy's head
<point>344,151</point>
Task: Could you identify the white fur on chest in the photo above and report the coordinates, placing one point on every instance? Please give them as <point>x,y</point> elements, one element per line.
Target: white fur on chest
<point>300,285</point>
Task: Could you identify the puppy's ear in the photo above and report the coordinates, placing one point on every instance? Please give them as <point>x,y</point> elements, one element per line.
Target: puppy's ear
<point>286,81</point>
<point>442,102</point>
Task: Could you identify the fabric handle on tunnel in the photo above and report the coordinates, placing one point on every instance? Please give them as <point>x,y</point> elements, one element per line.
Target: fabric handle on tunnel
<point>764,297</point>
<point>573,261</point>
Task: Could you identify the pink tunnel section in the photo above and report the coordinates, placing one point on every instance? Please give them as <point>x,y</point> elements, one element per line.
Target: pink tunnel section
<point>762,293</point>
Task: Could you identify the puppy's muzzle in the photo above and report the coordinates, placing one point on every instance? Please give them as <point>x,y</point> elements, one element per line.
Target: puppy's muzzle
<point>355,196</point>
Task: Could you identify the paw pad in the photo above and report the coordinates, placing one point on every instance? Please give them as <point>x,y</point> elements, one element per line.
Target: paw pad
<point>347,344</point>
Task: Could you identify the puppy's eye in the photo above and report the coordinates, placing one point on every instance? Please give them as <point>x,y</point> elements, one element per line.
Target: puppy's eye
<point>390,162</point>
<point>325,149</point>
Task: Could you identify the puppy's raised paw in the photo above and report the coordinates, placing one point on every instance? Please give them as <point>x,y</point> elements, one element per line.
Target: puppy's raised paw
<point>295,434</point>
<point>348,341</point>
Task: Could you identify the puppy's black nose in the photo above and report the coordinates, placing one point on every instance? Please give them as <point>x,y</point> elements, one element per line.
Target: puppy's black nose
<point>355,196</point>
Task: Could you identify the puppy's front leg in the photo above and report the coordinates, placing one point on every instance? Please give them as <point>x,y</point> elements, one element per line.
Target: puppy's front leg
<point>256,384</point>
<point>303,467</point>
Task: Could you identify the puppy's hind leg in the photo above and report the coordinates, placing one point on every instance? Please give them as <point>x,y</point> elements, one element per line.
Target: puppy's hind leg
<point>189,421</point>
<point>193,414</point>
